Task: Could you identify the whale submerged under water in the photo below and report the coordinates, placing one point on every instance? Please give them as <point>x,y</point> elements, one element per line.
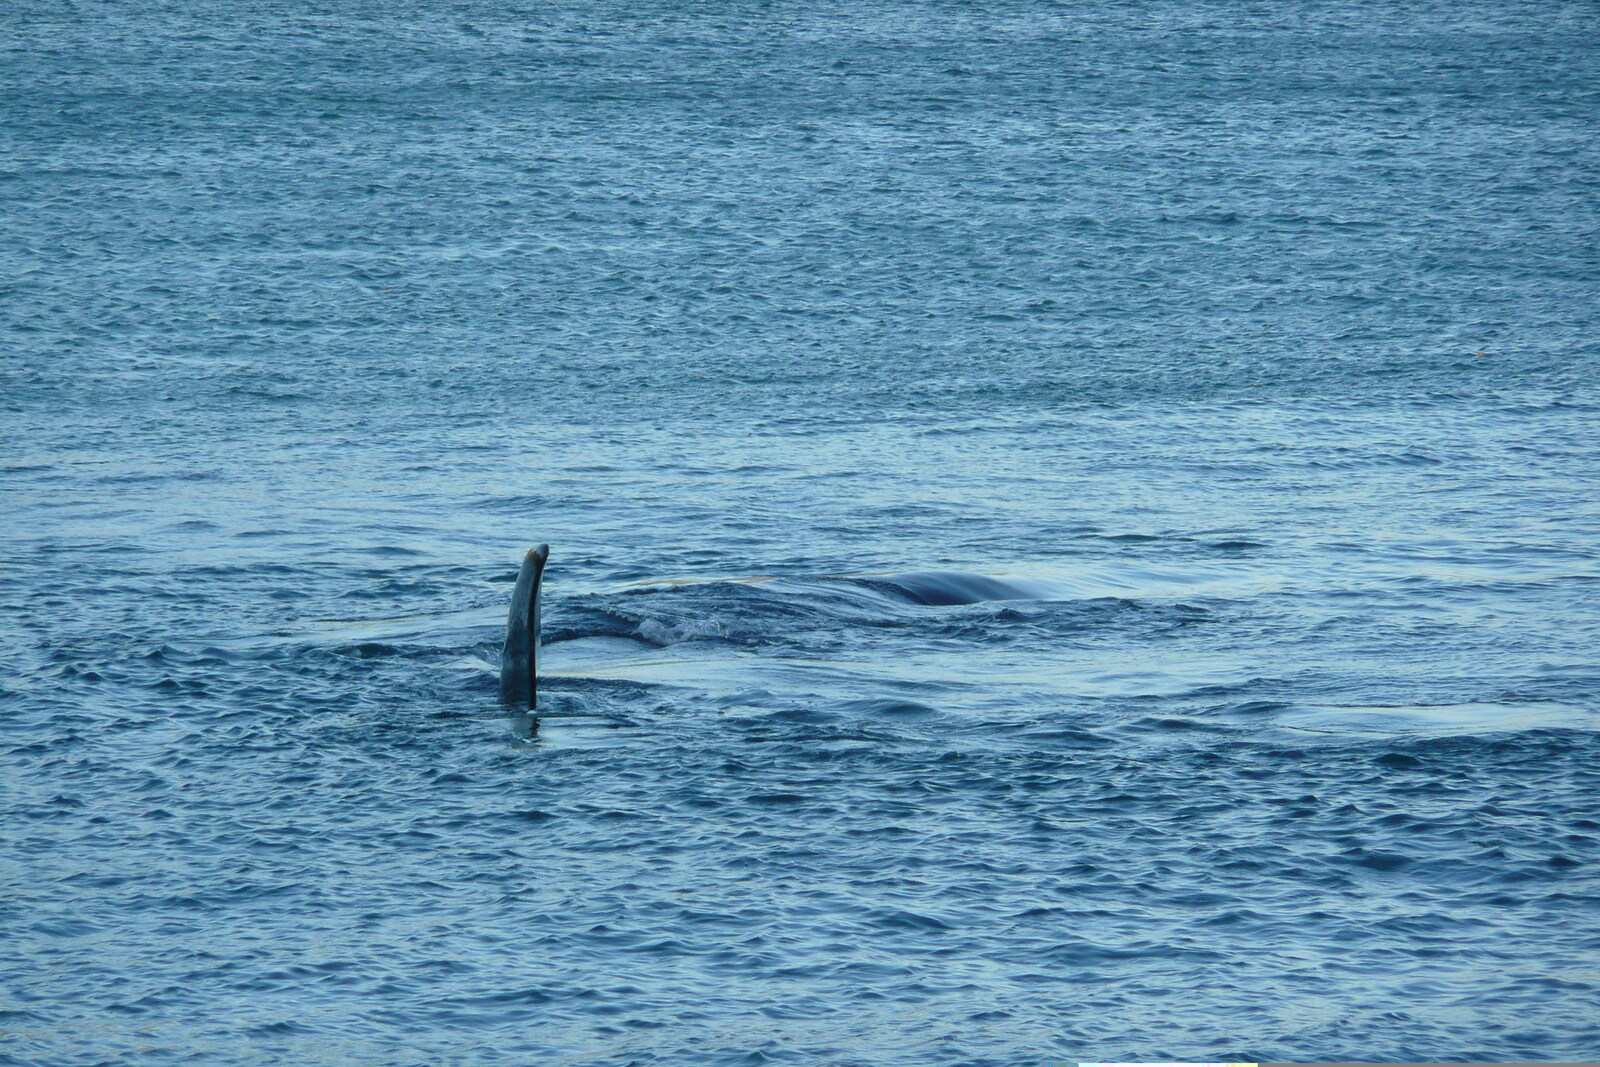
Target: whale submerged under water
<point>519,659</point>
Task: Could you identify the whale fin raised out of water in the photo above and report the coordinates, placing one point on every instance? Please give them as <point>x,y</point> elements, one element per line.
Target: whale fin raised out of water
<point>519,662</point>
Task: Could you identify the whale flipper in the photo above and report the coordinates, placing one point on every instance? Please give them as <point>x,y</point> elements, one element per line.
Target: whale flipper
<point>519,662</point>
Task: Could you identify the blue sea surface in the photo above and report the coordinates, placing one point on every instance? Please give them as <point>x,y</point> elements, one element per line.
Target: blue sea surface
<point>1075,531</point>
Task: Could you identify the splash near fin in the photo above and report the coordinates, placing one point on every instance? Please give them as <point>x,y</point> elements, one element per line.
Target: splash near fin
<point>519,662</point>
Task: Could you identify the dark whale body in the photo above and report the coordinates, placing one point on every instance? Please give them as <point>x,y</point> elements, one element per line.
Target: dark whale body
<point>948,588</point>
<point>519,661</point>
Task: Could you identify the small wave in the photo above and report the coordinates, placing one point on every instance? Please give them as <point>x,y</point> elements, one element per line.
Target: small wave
<point>663,634</point>
<point>1435,720</point>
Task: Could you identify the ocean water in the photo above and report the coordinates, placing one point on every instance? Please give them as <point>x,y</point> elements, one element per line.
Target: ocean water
<point>1074,532</point>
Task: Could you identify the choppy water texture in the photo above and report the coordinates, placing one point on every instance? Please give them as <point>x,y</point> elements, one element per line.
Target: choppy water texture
<point>1074,532</point>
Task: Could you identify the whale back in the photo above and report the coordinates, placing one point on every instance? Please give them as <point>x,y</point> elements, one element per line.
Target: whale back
<point>946,588</point>
<point>519,660</point>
